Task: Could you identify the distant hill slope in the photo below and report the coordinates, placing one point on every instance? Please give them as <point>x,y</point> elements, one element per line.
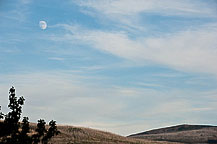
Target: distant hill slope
<point>182,133</point>
<point>177,128</point>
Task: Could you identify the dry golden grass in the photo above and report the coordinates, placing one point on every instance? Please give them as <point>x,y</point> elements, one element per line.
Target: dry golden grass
<point>80,135</point>
<point>203,135</point>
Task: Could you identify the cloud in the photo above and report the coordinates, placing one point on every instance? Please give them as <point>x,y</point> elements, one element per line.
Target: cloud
<point>166,7</point>
<point>131,15</point>
<point>174,107</point>
<point>191,50</point>
<point>26,1</point>
<point>56,58</point>
<point>17,11</point>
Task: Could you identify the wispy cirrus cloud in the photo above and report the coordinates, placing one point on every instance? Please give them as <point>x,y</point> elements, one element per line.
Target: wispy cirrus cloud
<point>166,7</point>
<point>132,15</point>
<point>18,11</point>
<point>191,50</point>
<point>56,58</point>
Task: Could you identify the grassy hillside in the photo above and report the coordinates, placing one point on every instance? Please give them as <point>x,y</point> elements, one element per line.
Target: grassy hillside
<point>79,135</point>
<point>182,133</point>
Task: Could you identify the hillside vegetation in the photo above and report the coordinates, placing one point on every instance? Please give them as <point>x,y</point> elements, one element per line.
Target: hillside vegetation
<point>182,133</point>
<point>79,135</point>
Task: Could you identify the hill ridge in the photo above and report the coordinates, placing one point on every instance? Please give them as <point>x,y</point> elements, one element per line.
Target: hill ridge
<point>176,128</point>
<point>185,133</point>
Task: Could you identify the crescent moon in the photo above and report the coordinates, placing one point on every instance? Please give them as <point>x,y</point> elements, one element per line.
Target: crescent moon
<point>42,25</point>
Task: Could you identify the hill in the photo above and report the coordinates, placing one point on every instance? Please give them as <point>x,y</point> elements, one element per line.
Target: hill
<point>80,135</point>
<point>181,133</point>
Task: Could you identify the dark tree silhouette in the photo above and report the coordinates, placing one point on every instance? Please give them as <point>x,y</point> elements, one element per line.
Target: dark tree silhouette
<point>52,131</point>
<point>15,132</point>
<point>1,114</point>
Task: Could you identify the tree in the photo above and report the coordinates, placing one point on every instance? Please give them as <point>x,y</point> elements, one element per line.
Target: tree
<point>16,132</point>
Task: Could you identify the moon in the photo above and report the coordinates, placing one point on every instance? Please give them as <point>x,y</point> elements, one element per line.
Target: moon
<point>42,25</point>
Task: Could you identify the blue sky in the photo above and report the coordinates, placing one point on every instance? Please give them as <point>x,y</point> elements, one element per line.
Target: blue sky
<point>122,66</point>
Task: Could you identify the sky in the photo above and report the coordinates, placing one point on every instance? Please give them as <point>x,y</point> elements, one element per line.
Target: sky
<point>123,66</point>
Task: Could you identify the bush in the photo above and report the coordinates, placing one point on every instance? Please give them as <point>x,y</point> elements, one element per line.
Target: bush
<point>16,132</point>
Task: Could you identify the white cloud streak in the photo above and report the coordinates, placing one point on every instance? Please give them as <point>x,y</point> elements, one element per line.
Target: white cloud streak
<point>191,50</point>
<point>165,7</point>
<point>56,58</point>
<point>127,14</point>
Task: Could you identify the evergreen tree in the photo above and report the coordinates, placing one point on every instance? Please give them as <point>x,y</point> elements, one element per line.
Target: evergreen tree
<point>16,132</point>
